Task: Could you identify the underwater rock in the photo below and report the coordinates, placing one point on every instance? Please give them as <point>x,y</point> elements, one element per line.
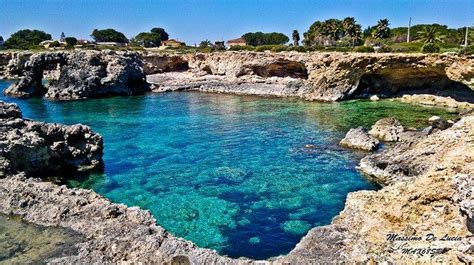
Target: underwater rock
<point>374,98</point>
<point>45,148</point>
<point>387,129</point>
<point>358,138</point>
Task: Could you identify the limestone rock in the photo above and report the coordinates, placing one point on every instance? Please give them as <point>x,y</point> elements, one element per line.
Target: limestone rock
<point>387,129</point>
<point>82,74</point>
<point>44,148</point>
<point>358,138</point>
<point>374,98</point>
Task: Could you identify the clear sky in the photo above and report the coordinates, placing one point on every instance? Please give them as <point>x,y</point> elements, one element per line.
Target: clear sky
<point>195,20</point>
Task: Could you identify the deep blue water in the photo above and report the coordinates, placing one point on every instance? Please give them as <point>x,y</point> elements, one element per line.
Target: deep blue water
<point>246,176</point>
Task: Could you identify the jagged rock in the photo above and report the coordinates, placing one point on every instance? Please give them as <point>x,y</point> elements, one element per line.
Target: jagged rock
<point>82,74</point>
<point>358,138</point>
<point>387,129</point>
<point>44,148</point>
<point>9,111</point>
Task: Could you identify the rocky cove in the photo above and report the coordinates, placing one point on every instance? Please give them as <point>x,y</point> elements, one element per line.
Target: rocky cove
<point>427,183</point>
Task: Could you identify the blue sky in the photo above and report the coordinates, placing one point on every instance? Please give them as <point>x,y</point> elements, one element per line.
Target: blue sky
<point>195,20</point>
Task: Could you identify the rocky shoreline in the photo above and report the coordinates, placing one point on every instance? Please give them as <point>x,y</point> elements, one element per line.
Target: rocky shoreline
<point>427,189</point>
<point>426,175</point>
<point>309,76</point>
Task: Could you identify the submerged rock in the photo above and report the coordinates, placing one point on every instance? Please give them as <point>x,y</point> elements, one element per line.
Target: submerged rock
<point>374,98</point>
<point>45,148</point>
<point>387,129</point>
<point>358,138</point>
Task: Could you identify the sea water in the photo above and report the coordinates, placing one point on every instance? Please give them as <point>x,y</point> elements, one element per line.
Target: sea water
<point>246,176</point>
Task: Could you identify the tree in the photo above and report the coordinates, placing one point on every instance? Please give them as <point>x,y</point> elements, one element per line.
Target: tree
<point>381,30</point>
<point>70,41</point>
<point>162,32</point>
<point>26,38</point>
<point>148,39</point>
<point>296,38</point>
<point>260,38</point>
<point>1,40</point>
<point>63,37</point>
<point>430,34</point>
<point>352,29</point>
<point>108,35</point>
<point>205,44</point>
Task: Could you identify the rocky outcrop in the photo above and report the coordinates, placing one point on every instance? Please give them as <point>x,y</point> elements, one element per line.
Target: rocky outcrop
<point>358,138</point>
<point>320,76</point>
<point>392,225</point>
<point>387,129</point>
<point>431,100</point>
<point>38,148</point>
<point>113,233</point>
<point>427,189</point>
<point>82,74</point>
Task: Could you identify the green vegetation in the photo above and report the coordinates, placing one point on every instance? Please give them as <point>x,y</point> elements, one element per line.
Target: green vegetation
<point>108,35</point>
<point>260,38</point>
<point>150,39</point>
<point>331,31</point>
<point>430,48</point>
<point>70,41</point>
<point>26,39</point>
<point>430,34</point>
<point>364,49</point>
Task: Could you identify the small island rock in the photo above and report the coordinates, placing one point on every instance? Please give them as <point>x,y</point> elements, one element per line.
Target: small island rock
<point>358,138</point>
<point>387,129</point>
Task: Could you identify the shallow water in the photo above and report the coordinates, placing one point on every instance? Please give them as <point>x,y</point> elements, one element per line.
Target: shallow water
<point>22,243</point>
<point>246,176</point>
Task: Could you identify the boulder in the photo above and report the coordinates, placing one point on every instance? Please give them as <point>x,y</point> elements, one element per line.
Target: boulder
<point>387,129</point>
<point>358,138</point>
<point>45,149</point>
<point>374,98</point>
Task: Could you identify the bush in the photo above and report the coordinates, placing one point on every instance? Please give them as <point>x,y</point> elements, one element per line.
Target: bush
<point>406,47</point>
<point>70,41</point>
<point>430,48</point>
<point>364,49</point>
<point>242,48</point>
<point>384,48</point>
<point>299,49</point>
<point>54,44</point>
<point>469,50</point>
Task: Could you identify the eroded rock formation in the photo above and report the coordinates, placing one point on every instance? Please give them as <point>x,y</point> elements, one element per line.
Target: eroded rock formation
<point>82,74</point>
<point>38,148</point>
<point>319,76</point>
<point>358,138</point>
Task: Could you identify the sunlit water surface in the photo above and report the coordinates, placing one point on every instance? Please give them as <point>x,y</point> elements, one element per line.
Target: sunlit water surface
<point>246,176</point>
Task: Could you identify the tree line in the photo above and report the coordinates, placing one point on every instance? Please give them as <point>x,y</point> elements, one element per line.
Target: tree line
<point>30,39</point>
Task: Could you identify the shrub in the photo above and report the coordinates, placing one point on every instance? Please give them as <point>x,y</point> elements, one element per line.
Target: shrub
<point>406,47</point>
<point>469,50</point>
<point>70,41</point>
<point>242,48</point>
<point>299,49</point>
<point>384,48</point>
<point>54,44</point>
<point>430,48</point>
<point>364,49</point>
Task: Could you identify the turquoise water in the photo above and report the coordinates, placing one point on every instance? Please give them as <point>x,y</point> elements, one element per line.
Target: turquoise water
<point>246,176</point>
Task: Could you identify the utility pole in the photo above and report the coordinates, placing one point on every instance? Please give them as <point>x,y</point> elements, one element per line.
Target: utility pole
<point>467,34</point>
<point>409,26</point>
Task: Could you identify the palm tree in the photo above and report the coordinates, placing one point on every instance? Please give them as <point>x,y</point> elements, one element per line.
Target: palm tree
<point>381,30</point>
<point>296,37</point>
<point>430,34</point>
<point>351,29</point>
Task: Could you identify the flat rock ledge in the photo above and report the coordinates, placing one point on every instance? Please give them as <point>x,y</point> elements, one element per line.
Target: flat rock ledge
<point>427,189</point>
<point>436,101</point>
<point>358,138</point>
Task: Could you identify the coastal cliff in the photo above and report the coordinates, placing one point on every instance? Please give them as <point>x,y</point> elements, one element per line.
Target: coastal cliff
<point>427,189</point>
<point>313,76</point>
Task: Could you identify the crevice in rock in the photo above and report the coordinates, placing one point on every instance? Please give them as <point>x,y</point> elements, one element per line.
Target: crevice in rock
<point>397,82</point>
<point>281,68</point>
<point>163,64</point>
